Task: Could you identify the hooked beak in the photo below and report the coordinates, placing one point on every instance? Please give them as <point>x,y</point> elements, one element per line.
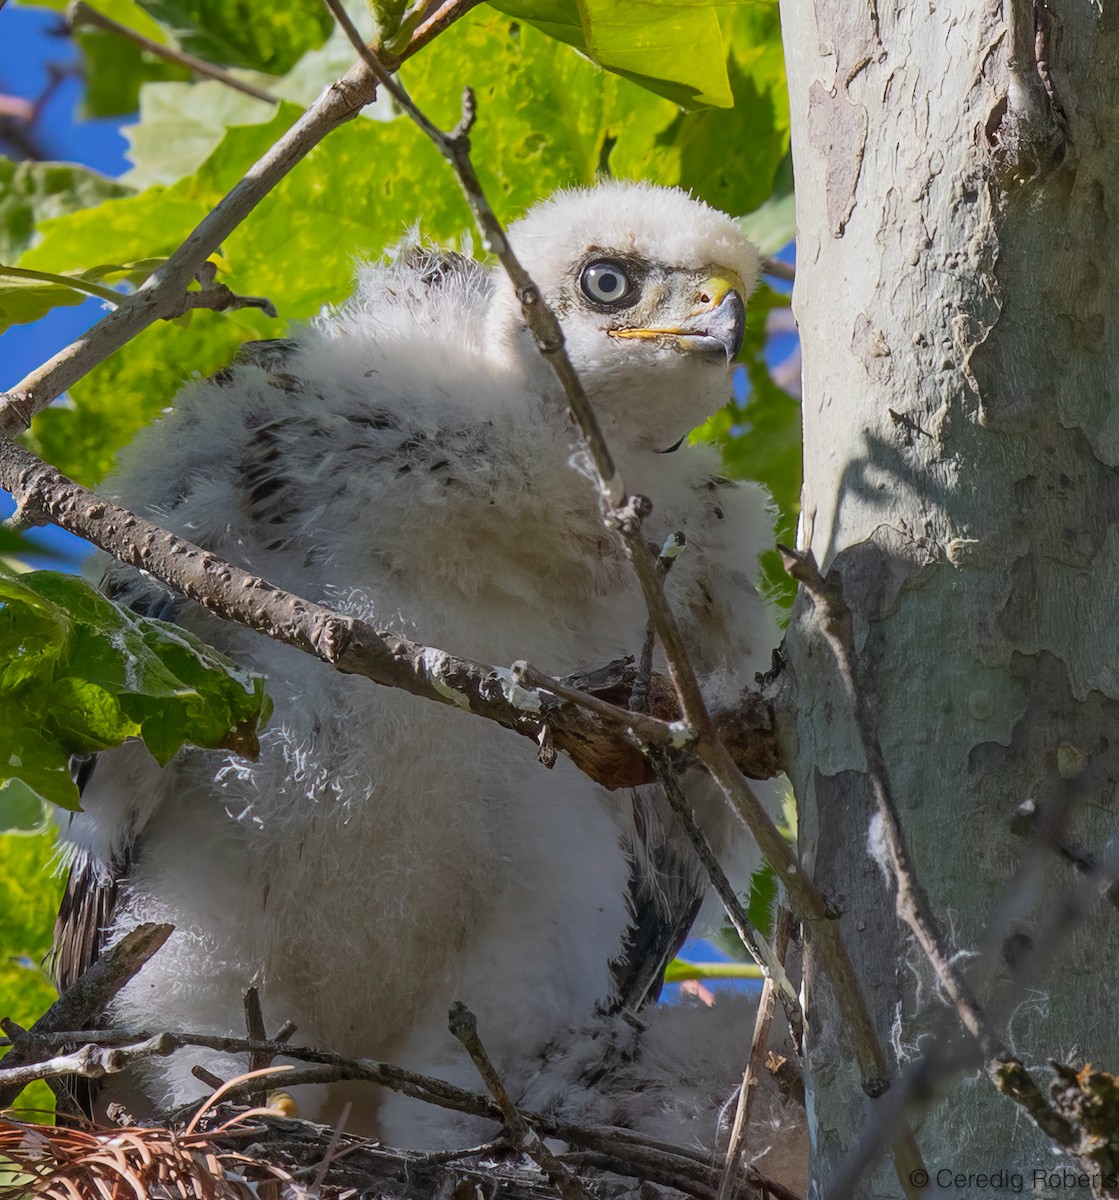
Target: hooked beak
<point>716,327</point>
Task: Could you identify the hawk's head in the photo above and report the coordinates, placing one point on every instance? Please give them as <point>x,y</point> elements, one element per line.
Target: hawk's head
<point>650,286</point>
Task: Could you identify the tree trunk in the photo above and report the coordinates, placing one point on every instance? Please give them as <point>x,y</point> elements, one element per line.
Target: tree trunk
<point>957,285</point>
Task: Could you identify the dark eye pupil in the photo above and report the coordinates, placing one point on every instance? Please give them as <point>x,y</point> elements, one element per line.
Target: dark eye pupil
<point>608,282</point>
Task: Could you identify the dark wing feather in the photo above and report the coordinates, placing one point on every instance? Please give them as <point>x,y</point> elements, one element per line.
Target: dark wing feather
<point>665,896</point>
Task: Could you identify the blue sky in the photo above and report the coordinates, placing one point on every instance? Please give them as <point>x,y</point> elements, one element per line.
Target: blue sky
<point>33,50</point>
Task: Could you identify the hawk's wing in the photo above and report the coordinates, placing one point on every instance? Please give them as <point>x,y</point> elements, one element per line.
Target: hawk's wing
<point>666,892</point>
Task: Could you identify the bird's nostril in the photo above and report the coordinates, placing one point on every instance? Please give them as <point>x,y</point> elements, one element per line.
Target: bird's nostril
<point>704,298</point>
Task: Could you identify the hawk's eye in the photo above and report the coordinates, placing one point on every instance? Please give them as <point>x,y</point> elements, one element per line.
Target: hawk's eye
<point>607,282</point>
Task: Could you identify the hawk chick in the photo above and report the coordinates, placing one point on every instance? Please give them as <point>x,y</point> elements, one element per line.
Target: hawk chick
<point>405,459</point>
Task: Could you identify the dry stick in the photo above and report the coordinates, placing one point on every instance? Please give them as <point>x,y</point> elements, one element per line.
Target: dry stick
<point>582,724</point>
<point>637,1153</point>
<point>762,1022</point>
<point>648,729</point>
<point>348,644</point>
<point>778,269</point>
<point>255,1032</point>
<point>78,1005</point>
<point>80,13</point>
<point>161,294</point>
<point>91,1061</point>
<point>626,515</point>
<point>464,1026</point>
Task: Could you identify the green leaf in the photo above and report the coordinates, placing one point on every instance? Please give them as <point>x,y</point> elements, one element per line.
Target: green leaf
<point>729,157</point>
<point>180,126</point>
<point>31,192</point>
<point>238,33</point>
<point>134,228</point>
<point>674,48</point>
<point>762,904</point>
<point>124,12</point>
<point>772,226</point>
<point>16,546</point>
<point>82,674</point>
<point>21,809</point>
<point>27,294</point>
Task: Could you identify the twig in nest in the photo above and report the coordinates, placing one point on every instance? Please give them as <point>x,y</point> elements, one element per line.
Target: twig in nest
<point>80,1004</point>
<point>465,1027</point>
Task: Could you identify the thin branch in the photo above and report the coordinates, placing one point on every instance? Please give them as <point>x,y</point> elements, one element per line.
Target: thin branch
<point>79,1004</point>
<point>349,645</point>
<point>758,947</point>
<point>577,723</point>
<point>778,269</point>
<point>628,1151</point>
<point>649,729</point>
<point>90,1061</point>
<point>464,1026</point>
<point>161,294</point>
<point>80,13</point>
<point>758,1043</point>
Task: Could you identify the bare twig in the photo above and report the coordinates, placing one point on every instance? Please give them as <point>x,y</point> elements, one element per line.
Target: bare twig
<point>585,728</point>
<point>464,1026</point>
<point>255,1032</point>
<point>649,729</point>
<point>624,1151</point>
<point>161,294</point>
<point>90,1061</point>
<point>762,1022</point>
<point>675,544</point>
<point>347,644</point>
<point>79,13</point>
<point>778,269</point>
<point>78,1005</point>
